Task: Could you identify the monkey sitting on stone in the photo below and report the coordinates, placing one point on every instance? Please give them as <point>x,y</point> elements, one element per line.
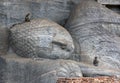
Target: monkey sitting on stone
<point>95,61</point>
<point>27,18</point>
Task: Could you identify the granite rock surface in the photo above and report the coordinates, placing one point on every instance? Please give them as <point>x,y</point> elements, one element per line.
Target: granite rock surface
<point>96,29</point>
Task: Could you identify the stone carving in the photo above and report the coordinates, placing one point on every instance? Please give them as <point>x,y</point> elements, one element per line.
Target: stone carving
<point>96,28</point>
<point>16,69</point>
<point>47,48</point>
<point>41,38</point>
<point>113,2</point>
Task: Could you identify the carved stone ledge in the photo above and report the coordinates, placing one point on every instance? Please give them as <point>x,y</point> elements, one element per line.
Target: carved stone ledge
<point>112,2</point>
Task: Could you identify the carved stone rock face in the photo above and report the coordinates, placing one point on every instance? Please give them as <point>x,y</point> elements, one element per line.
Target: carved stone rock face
<point>3,40</point>
<point>16,69</point>
<point>56,10</point>
<point>41,38</point>
<point>113,2</point>
<point>96,28</point>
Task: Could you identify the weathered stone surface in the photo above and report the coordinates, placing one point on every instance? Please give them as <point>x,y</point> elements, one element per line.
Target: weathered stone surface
<point>3,40</point>
<point>2,70</point>
<point>96,29</point>
<point>115,8</point>
<point>15,69</point>
<point>92,71</point>
<point>56,10</point>
<point>113,2</point>
<point>114,5</point>
<point>41,38</point>
<point>3,32</point>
